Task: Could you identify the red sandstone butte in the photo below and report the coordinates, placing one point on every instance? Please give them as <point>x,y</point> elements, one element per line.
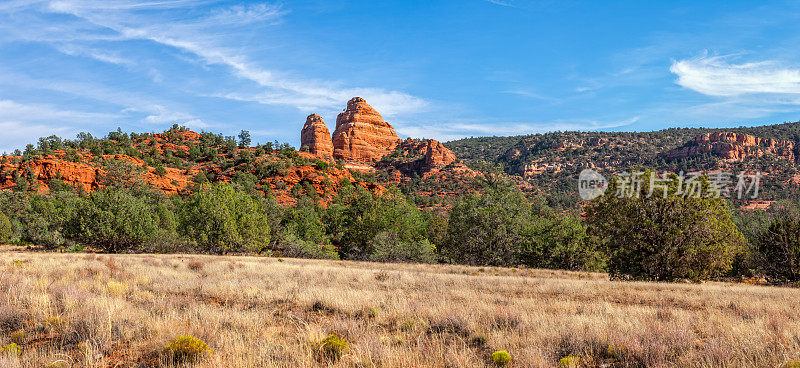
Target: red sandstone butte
<point>361,135</point>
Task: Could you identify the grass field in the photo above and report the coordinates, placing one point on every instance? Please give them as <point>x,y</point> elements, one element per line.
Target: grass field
<point>87,310</point>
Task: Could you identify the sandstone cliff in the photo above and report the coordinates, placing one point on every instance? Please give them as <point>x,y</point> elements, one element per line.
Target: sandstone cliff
<point>361,135</point>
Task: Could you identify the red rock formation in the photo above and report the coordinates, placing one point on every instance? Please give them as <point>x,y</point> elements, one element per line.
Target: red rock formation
<point>734,147</point>
<point>316,137</point>
<point>423,157</point>
<point>437,155</point>
<point>361,135</point>
<point>47,168</point>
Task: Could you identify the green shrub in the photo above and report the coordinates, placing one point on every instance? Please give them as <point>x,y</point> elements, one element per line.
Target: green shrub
<point>19,337</point>
<point>357,216</point>
<point>778,249</point>
<point>293,246</point>
<point>6,232</point>
<point>792,364</point>
<point>114,220</point>
<point>569,361</point>
<point>11,349</point>
<point>388,247</point>
<point>222,219</point>
<point>492,228</point>
<point>501,358</point>
<point>186,348</point>
<point>332,348</point>
<point>664,237</point>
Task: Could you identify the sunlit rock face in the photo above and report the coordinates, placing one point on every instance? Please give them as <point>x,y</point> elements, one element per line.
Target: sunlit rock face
<point>361,135</point>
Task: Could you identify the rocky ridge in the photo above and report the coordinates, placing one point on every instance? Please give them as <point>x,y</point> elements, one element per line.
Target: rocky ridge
<point>734,147</point>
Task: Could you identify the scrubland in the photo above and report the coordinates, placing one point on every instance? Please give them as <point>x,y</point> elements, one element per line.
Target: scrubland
<point>91,310</point>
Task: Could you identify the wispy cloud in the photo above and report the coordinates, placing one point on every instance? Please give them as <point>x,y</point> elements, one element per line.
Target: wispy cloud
<point>96,54</point>
<point>501,3</point>
<point>201,37</point>
<point>715,76</point>
<point>24,122</point>
<point>462,129</point>
<point>12,110</point>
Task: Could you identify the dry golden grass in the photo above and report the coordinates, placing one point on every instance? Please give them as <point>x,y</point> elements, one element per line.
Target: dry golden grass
<point>86,310</point>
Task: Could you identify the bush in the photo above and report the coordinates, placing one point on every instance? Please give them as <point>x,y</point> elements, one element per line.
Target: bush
<point>492,228</point>
<point>559,241</point>
<point>388,247</point>
<point>357,216</point>
<point>332,348</point>
<point>293,246</point>
<point>6,232</point>
<point>501,358</point>
<point>11,349</point>
<point>569,361</point>
<point>19,337</point>
<point>114,220</point>
<point>778,249</point>
<point>664,238</point>
<point>186,348</point>
<point>222,219</point>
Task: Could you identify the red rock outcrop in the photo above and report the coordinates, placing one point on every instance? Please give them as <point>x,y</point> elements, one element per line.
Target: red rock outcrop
<point>734,147</point>
<point>316,137</point>
<point>361,135</point>
<point>47,168</point>
<point>423,157</point>
<point>437,155</point>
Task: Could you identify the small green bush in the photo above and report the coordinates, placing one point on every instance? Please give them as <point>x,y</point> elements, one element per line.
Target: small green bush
<point>569,361</point>
<point>792,364</point>
<point>186,348</point>
<point>11,349</point>
<point>332,348</point>
<point>501,358</point>
<point>19,337</point>
<point>293,246</point>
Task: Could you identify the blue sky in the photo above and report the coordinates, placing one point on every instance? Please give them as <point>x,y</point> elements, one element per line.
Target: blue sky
<point>434,69</point>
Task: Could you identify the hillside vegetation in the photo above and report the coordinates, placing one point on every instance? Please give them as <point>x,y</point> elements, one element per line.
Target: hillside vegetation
<point>552,161</point>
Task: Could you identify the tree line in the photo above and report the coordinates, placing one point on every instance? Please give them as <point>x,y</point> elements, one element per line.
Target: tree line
<point>643,237</point>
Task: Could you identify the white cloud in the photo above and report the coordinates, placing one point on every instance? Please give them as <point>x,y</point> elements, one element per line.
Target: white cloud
<point>714,76</point>
<point>160,115</point>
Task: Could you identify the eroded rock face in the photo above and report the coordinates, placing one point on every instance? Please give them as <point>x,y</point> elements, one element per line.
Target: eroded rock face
<point>361,135</point>
<point>316,136</point>
<point>734,147</point>
<point>47,168</point>
<point>437,155</point>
